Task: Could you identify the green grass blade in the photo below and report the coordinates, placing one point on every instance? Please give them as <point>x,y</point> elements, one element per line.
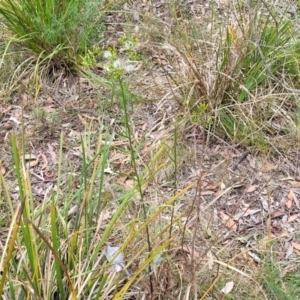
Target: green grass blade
<point>56,247</point>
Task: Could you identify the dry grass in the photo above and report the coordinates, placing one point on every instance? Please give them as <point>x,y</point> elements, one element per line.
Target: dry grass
<point>236,78</point>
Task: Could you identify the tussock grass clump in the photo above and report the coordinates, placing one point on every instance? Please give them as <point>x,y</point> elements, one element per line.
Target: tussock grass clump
<point>53,29</point>
<point>238,78</point>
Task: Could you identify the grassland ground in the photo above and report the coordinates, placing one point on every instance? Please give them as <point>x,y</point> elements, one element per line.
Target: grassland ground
<point>211,152</point>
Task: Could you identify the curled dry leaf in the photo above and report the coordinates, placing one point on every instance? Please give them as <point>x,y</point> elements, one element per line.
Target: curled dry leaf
<point>252,188</point>
<point>15,120</point>
<point>292,197</point>
<point>52,153</point>
<point>228,222</point>
<point>244,253</point>
<point>293,218</point>
<point>288,203</point>
<point>108,170</point>
<point>289,250</point>
<point>126,183</point>
<point>72,211</point>
<point>211,187</point>
<point>277,214</point>
<point>31,160</point>
<point>189,250</point>
<point>254,256</point>
<point>227,288</point>
<point>3,170</point>
<point>205,193</point>
<point>286,270</point>
<point>8,125</point>
<point>268,167</point>
<point>31,163</point>
<point>210,260</point>
<point>294,183</point>
<point>45,161</point>
<point>296,245</point>
<point>30,156</point>
<point>105,215</point>
<point>49,108</point>
<point>222,186</point>
<point>249,212</point>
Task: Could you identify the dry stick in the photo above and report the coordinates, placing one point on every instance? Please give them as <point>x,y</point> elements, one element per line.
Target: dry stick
<point>242,157</point>
<point>175,181</point>
<point>56,256</point>
<point>195,205</point>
